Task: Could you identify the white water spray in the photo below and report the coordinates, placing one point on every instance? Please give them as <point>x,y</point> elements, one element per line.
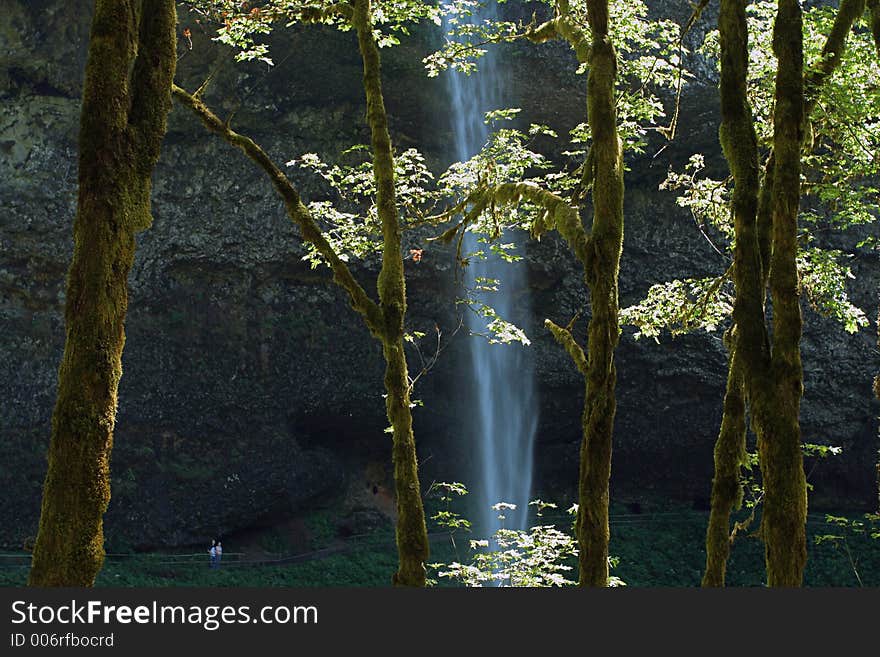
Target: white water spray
<point>502,411</point>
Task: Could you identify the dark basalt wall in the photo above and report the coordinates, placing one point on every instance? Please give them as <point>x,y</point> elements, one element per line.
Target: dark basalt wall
<point>251,390</point>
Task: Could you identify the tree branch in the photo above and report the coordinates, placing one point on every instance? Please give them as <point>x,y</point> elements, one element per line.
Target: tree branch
<point>566,339</point>
<point>556,213</point>
<point>298,212</point>
<point>391,283</point>
<point>833,50</point>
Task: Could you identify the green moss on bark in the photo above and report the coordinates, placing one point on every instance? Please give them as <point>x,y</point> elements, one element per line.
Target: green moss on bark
<point>765,255</point>
<point>601,272</point>
<point>412,533</point>
<point>385,319</point>
<point>126,100</point>
<point>783,523</point>
<point>730,454</point>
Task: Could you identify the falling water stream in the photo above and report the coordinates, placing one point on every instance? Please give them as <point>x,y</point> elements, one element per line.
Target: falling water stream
<point>501,412</point>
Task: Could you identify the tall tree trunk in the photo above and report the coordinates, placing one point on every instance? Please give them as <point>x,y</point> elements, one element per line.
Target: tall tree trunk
<point>735,117</point>
<point>749,347</point>
<point>730,454</point>
<point>599,253</point>
<point>606,244</point>
<point>783,523</point>
<point>412,533</point>
<point>385,320</point>
<point>126,99</point>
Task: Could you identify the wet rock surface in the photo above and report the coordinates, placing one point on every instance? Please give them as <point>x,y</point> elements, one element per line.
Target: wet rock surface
<point>251,389</point>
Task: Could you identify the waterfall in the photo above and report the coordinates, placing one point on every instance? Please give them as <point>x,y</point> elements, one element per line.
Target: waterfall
<point>501,411</point>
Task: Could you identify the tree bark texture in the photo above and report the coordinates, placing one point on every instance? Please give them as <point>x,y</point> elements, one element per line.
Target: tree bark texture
<point>412,533</point>
<point>601,271</point>
<point>783,523</point>
<point>126,99</point>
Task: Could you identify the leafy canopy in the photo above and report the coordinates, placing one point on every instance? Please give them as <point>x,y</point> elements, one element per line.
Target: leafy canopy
<point>840,167</point>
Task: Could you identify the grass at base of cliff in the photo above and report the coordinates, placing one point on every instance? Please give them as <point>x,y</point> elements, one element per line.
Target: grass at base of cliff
<point>669,550</point>
<point>661,548</point>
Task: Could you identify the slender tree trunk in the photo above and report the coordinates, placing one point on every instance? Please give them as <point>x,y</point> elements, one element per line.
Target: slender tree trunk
<point>412,533</point>
<point>749,346</point>
<point>730,453</point>
<point>385,320</point>
<point>783,523</point>
<point>599,253</point>
<point>606,243</point>
<point>126,98</point>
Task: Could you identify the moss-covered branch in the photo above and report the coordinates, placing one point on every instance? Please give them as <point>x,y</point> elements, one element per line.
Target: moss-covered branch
<point>554,213</point>
<point>693,18</point>
<point>322,13</point>
<point>819,71</point>
<point>566,339</point>
<point>296,210</point>
<point>562,27</point>
<point>391,281</point>
<point>832,51</point>
<point>739,143</point>
<point>130,65</point>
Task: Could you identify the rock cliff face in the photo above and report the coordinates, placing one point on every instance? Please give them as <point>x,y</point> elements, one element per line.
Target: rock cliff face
<point>250,389</point>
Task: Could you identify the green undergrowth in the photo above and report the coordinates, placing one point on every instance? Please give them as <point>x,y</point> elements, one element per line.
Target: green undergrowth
<point>666,548</point>
<point>661,545</point>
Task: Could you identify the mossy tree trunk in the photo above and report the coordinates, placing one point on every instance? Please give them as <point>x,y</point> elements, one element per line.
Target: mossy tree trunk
<point>749,348</point>
<point>126,99</point>
<point>729,456</point>
<point>877,395</point>
<point>599,253</point>
<point>765,222</point>
<point>601,269</point>
<point>412,534</point>
<point>874,8</point>
<point>385,320</point>
<point>783,523</point>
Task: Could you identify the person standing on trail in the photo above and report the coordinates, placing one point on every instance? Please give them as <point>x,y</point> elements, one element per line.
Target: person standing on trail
<point>213,553</point>
<point>219,551</point>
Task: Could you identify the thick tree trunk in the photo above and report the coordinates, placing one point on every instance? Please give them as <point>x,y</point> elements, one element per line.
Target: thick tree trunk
<point>783,524</point>
<point>602,267</point>
<point>412,533</point>
<point>131,61</point>
<point>762,377</point>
